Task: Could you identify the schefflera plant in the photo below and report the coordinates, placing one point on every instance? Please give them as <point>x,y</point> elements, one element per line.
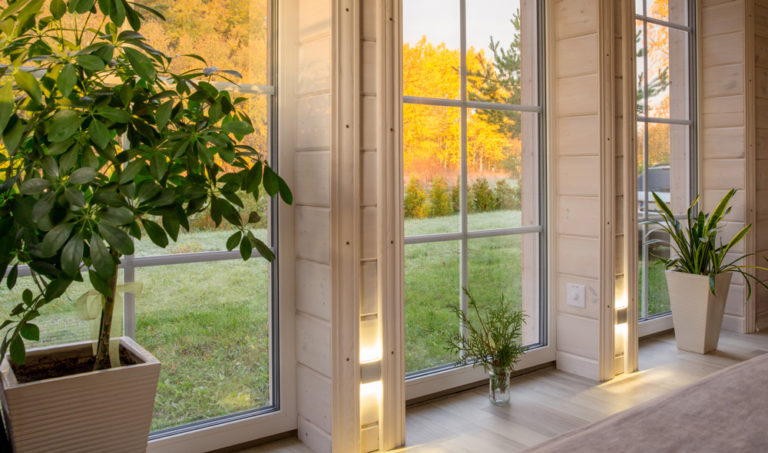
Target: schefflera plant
<point>102,142</point>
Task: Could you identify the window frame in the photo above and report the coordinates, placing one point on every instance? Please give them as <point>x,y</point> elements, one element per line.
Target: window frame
<point>444,377</point>
<point>652,323</point>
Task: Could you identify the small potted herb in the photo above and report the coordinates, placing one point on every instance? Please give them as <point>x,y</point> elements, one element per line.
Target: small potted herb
<point>493,340</point>
<point>699,271</point>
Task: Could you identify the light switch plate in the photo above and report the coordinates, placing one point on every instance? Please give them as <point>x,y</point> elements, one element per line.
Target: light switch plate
<point>576,295</point>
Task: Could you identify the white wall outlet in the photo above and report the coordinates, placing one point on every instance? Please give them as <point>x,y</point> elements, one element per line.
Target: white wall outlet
<point>576,295</point>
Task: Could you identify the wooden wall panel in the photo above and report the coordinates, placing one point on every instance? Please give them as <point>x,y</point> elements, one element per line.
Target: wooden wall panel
<point>761,154</point>
<point>312,227</point>
<point>576,181</point>
<point>727,160</point>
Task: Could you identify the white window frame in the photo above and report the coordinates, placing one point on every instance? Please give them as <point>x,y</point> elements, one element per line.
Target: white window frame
<point>650,324</point>
<point>432,381</point>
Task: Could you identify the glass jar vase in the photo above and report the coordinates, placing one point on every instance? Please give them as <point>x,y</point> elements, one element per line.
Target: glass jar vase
<point>498,384</point>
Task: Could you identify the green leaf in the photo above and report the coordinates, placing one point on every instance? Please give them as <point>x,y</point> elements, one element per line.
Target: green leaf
<point>285,191</point>
<point>64,125</point>
<point>264,251</point>
<point>101,258</point>
<point>58,8</point>
<point>12,137</point>
<point>171,223</point>
<point>99,133</point>
<point>246,249</point>
<point>6,104</point>
<point>55,239</point>
<point>234,240</point>
<point>18,353</point>
<point>159,165</point>
<point>271,181</point>
<point>155,232</point>
<point>141,63</point>
<point>29,83</point>
<point>72,255</point>
<point>118,216</point>
<point>34,186</point>
<point>91,63</point>
<point>105,6</point>
<point>117,12</point>
<point>83,6</point>
<point>238,127</point>
<point>13,274</point>
<point>130,171</point>
<point>254,217</point>
<point>67,79</point>
<point>56,288</point>
<point>116,238</point>
<point>82,175</point>
<point>30,331</point>
<point>163,114</point>
<point>99,284</point>
<point>113,114</point>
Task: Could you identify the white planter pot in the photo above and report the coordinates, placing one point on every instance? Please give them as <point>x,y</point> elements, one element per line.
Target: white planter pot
<point>107,410</point>
<point>697,314</point>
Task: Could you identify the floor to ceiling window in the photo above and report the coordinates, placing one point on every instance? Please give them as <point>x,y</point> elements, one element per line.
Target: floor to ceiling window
<point>666,131</point>
<point>206,314</point>
<point>473,157</point>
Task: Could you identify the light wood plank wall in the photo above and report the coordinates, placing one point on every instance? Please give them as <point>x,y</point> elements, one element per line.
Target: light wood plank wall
<point>761,149</point>
<point>725,158</point>
<point>575,181</point>
<point>370,312</point>
<point>312,225</point>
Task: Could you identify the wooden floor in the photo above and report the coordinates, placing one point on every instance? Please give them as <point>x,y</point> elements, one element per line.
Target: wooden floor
<point>550,402</point>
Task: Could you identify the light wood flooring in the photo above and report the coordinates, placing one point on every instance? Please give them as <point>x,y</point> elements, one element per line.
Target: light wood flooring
<point>548,402</point>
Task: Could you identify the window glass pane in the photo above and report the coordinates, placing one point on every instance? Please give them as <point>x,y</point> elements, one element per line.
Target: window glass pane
<point>432,286</point>
<point>642,196</point>
<point>228,34</point>
<point>501,52</point>
<point>431,43</point>
<point>675,11</point>
<point>640,66</point>
<point>508,266</point>
<point>502,164</point>
<point>208,323</point>
<point>657,295</point>
<point>668,173</point>
<point>668,92</point>
<point>639,7</point>
<point>431,162</point>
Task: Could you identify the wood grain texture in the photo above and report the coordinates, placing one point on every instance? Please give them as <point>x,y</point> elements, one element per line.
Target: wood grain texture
<point>548,402</point>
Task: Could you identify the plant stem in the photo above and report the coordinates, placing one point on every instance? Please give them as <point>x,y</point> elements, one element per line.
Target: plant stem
<point>102,360</point>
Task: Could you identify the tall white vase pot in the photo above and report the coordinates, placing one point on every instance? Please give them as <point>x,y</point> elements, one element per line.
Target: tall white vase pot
<point>697,314</point>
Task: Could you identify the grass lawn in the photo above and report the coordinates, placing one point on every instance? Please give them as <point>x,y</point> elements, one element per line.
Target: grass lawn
<point>208,323</point>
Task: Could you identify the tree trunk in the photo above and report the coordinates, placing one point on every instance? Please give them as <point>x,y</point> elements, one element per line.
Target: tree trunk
<point>102,361</point>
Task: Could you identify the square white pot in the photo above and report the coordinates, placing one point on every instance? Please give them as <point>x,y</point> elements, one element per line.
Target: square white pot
<point>697,314</point>
<point>100,411</point>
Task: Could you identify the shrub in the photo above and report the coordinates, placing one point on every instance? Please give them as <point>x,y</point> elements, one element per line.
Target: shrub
<point>507,197</point>
<point>482,198</point>
<point>440,200</point>
<point>456,196</point>
<point>415,200</point>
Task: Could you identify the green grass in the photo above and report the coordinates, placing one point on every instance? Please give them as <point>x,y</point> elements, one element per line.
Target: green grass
<point>208,323</point>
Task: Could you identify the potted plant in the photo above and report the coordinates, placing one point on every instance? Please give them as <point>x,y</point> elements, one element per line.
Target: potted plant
<point>102,143</point>
<point>699,271</point>
<point>492,340</point>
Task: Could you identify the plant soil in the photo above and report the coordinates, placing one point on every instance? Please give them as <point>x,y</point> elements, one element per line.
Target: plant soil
<point>53,366</point>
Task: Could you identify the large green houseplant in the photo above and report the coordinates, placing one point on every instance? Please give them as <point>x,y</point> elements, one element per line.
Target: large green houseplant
<point>103,143</point>
<point>700,269</point>
<point>493,340</point>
